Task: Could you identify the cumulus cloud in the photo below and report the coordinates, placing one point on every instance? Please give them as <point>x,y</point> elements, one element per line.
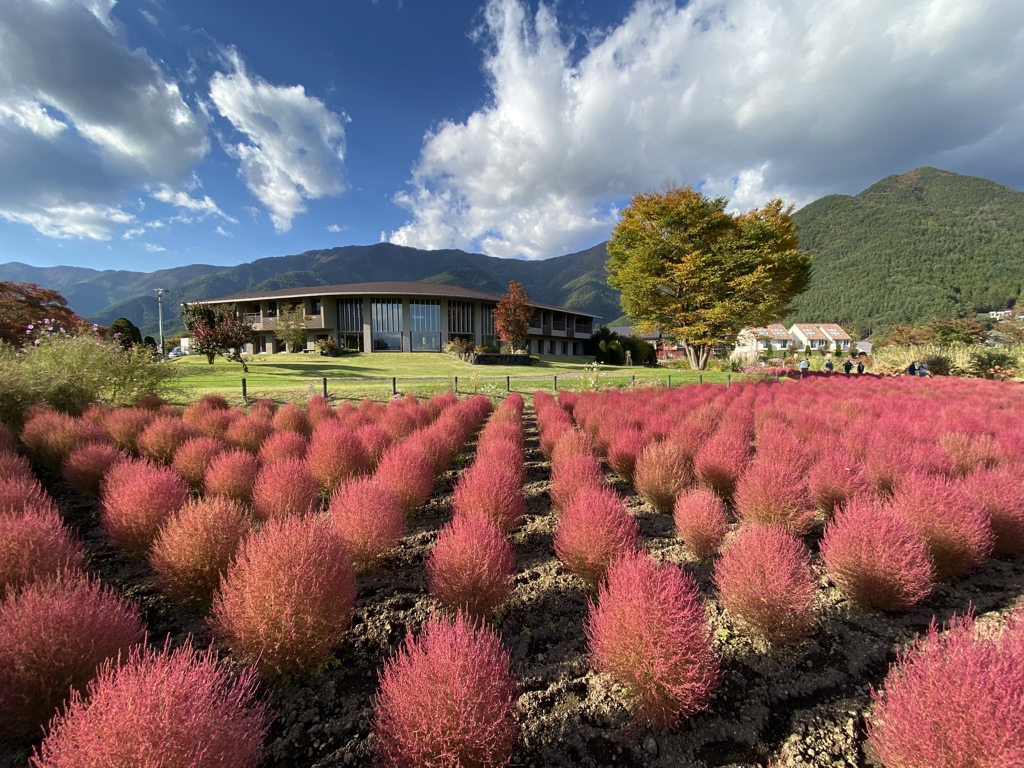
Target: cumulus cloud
<point>747,98</point>
<point>223,232</point>
<point>204,206</point>
<point>153,248</point>
<point>65,221</point>
<point>294,146</point>
<point>334,228</point>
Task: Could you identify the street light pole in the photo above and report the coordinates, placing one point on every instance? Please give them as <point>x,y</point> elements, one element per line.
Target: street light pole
<point>160,315</point>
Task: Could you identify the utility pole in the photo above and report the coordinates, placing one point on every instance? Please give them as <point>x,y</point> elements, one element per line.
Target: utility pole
<point>160,315</point>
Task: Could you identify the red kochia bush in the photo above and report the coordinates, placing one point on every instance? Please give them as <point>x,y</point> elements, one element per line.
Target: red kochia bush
<point>335,455</point>
<point>53,636</point>
<point>504,453</point>
<point>953,700</point>
<point>124,425</point>
<point>285,488</point>
<point>50,437</point>
<point>491,491</point>
<point>648,631</point>
<point>291,418</point>
<point>574,473</point>
<point>375,440</point>
<point>287,598</point>
<point>232,474</point>
<point>875,558</point>
<point>471,567</point>
<point>193,458</point>
<point>85,467</point>
<point>137,498</point>
<point>174,709</point>
<point>661,473</point>
<point>283,445</point>
<point>249,432</point>
<point>447,699</point>
<point>774,494</point>
<point>162,437</point>
<point>35,544</point>
<point>594,529</point>
<point>764,579</point>
<point>573,442</point>
<point>369,521</point>
<point>623,451</point>
<point>8,442</point>
<point>407,473</point>
<point>195,546</point>
<point>834,478</point>
<point>701,521</point>
<point>999,493</point>
<point>719,463</point>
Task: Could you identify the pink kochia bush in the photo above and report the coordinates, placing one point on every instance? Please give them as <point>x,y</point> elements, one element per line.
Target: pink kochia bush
<point>623,451</point>
<point>407,473</point>
<point>875,558</point>
<point>765,581</point>
<point>162,437</point>
<point>999,493</point>
<point>137,498</point>
<point>85,467</point>
<point>53,636</point>
<point>50,436</point>
<point>194,548</point>
<point>283,488</point>
<point>232,474</point>
<point>834,478</point>
<point>774,494</point>
<point>287,597</point>
<point>335,455</point>
<point>193,458</point>
<point>283,445</point>
<point>471,567</point>
<point>447,699</point>
<point>175,709</point>
<point>124,425</point>
<point>368,520</point>
<point>649,633</point>
<point>594,529</point>
<point>720,461</point>
<point>35,544</point>
<point>701,521</point>
<point>953,700</point>
<point>573,474</point>
<point>661,473</point>
<point>490,491</point>
<point>249,431</point>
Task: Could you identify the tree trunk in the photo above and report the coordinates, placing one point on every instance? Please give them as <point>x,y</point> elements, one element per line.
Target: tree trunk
<point>697,356</point>
<point>210,356</point>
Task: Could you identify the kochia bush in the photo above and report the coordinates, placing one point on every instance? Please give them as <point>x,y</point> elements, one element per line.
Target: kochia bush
<point>285,488</point>
<point>594,529</point>
<point>368,520</point>
<point>335,456</point>
<point>999,492</point>
<point>720,461</point>
<point>471,567</point>
<point>50,436</point>
<point>124,425</point>
<point>249,432</point>
<point>661,473</point>
<point>232,474</point>
<point>649,633</point>
<point>85,467</point>
<point>137,498</point>
<point>35,544</point>
<point>774,494</point>
<point>490,491</point>
<point>407,473</point>
<point>447,698</point>
<point>623,451</point>
<point>283,445</point>
<point>175,709</point>
<point>193,458</point>
<point>291,418</point>
<point>162,437</point>
<point>834,478</point>
<point>573,474</point>
<point>701,521</point>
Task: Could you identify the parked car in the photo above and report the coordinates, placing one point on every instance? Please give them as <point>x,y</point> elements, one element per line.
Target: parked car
<point>176,352</point>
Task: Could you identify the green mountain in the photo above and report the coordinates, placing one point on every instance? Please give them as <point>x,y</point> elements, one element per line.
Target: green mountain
<point>923,244</point>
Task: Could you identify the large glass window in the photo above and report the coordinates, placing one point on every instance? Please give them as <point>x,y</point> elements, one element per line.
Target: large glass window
<point>425,325</point>
<point>460,318</point>
<point>350,315</point>
<point>386,325</point>
<point>488,335</point>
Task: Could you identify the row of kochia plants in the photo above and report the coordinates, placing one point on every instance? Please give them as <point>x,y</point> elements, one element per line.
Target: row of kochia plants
<point>266,516</point>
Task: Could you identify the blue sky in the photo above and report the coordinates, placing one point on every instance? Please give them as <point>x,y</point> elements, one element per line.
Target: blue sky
<point>145,134</point>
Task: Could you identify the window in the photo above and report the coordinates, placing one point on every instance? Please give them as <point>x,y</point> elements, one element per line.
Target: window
<point>259,345</point>
<point>316,305</point>
<point>271,309</point>
<point>351,341</point>
<point>489,337</point>
<point>425,325</point>
<point>584,325</point>
<point>535,320</point>
<point>557,322</point>
<point>350,316</point>
<point>460,318</point>
<point>386,325</point>
<point>565,347</point>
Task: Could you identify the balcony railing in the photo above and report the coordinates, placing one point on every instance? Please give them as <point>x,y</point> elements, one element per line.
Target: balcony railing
<point>251,317</point>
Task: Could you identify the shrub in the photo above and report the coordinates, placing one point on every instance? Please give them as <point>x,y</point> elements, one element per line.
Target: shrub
<point>594,529</point>
<point>447,698</point>
<point>53,636</point>
<point>953,700</point>
<point>574,473</point>
<point>211,422</point>
<point>875,558</point>
<point>491,491</point>
<point>50,437</point>
<point>501,431</point>
<point>970,452</point>
<point>193,458</point>
<point>85,467</point>
<point>232,474</point>
<point>18,491</point>
<point>957,530</point>
<point>335,456</point>
<point>195,546</point>
<point>1000,495</point>
<point>375,440</point>
<point>408,475</point>
<point>835,478</point>
<point>137,497</point>
<point>765,581</point>
<point>649,633</point>
<point>291,418</point>
<point>471,567</point>
<point>573,442</point>
<point>283,445</point>
<point>283,489</point>
<point>287,598</point>
<point>624,450</point>
<point>34,545</point>
<point>701,521</point>
<point>162,437</point>
<point>886,462</point>
<point>369,521</point>
<point>719,463</point>
<point>504,453</point>
<point>124,425</point>
<point>661,473</point>
<point>8,442</point>
<point>249,432</point>
<point>774,494</point>
<point>175,709</point>
<point>15,468</point>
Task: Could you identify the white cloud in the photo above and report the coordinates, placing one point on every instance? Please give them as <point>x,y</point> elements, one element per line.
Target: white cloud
<point>205,206</point>
<point>334,228</point>
<point>131,234</point>
<point>153,248</point>
<point>32,116</point>
<point>66,221</point>
<point>749,98</point>
<point>223,232</point>
<point>294,148</point>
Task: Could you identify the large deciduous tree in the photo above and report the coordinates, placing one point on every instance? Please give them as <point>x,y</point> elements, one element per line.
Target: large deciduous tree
<point>698,274</point>
<point>512,317</point>
<point>26,304</point>
<point>216,328</point>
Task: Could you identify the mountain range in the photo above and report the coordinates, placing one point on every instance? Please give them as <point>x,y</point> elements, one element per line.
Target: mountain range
<point>927,243</point>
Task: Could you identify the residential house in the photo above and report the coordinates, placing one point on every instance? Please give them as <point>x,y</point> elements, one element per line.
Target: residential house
<point>825,337</point>
<point>756,342</point>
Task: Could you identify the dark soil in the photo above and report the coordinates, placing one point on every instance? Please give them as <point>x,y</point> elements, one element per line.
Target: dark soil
<point>802,705</point>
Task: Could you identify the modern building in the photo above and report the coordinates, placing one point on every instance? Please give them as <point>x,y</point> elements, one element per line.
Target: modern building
<point>403,317</point>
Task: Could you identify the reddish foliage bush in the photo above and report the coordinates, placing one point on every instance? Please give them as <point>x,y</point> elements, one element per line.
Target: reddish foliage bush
<point>335,456</point>
<point>471,567</point>
<point>193,458</point>
<point>661,473</point>
<point>834,478</point>
<point>375,440</point>
<point>138,497</point>
<point>594,529</point>
<point>501,432</point>
<point>623,451</point>
<point>649,633</point>
<point>567,400</point>
<point>124,425</point>
<point>53,636</point>
<point>491,491</point>
<point>283,445</point>
<point>504,453</point>
<point>447,698</point>
<point>85,467</point>
<point>8,442</point>
<point>408,475</point>
<point>690,436</point>
<point>774,494</point>
<point>50,437</point>
<point>232,474</point>
<point>764,579</point>
<point>214,402</point>
<point>15,468</point>
<point>701,521</point>
<point>574,473</point>
<point>398,422</point>
<point>287,598</point>
<point>573,442</point>
<point>291,418</point>
<point>213,423</point>
<point>249,432</point>
<point>34,545</point>
<point>886,462</point>
<point>970,451</point>
<point>553,431</point>
<point>999,492</point>
<point>20,490</point>
<point>953,700</point>
<point>369,521</point>
<point>285,488</point>
<point>162,437</point>
<point>175,709</point>
<point>875,558</point>
<point>195,546</point>
<point>780,446</point>
<point>719,463</point>
<point>957,530</point>
<point>263,408</point>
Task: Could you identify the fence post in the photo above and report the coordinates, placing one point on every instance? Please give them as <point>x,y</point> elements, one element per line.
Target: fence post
<point>632,380</point>
<point>670,381</point>
<point>508,383</point>
<point>245,396</point>
<point>325,387</point>
<point>700,379</point>
<point>556,382</point>
<point>394,386</point>
<point>728,380</point>
<point>456,385</point>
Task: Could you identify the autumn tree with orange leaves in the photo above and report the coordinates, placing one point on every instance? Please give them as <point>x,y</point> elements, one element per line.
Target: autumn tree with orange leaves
<point>26,304</point>
<point>512,317</point>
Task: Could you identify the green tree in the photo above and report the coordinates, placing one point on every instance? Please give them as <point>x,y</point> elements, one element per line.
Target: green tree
<point>512,317</point>
<point>217,330</point>
<point>291,327</point>
<point>125,332</point>
<point>960,330</point>
<point>698,274</point>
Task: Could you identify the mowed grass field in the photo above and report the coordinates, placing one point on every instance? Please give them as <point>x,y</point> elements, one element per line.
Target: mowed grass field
<point>296,377</point>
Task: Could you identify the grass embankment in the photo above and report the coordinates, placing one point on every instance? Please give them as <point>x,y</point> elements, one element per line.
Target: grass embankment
<point>285,377</point>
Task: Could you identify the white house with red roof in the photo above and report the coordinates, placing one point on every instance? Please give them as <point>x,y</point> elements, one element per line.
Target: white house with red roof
<point>755,342</point>
<point>824,337</point>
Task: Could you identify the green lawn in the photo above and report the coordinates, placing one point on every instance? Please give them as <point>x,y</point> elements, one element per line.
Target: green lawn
<point>298,376</point>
